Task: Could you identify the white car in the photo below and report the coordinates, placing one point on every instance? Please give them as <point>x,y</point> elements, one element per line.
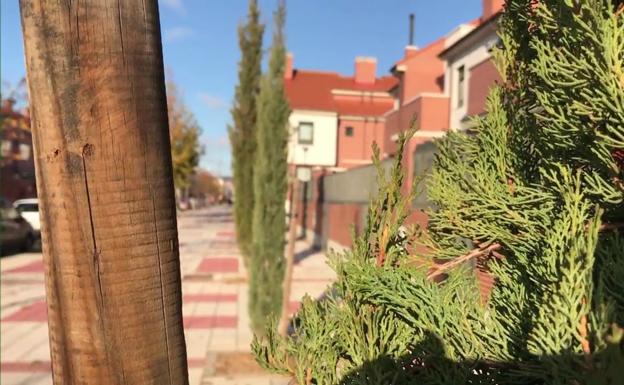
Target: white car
<point>29,210</point>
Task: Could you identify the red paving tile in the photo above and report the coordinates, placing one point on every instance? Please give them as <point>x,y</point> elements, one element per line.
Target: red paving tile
<point>33,267</point>
<point>25,367</point>
<point>194,363</point>
<point>35,312</point>
<point>294,306</point>
<point>210,322</point>
<point>210,298</point>
<point>218,265</point>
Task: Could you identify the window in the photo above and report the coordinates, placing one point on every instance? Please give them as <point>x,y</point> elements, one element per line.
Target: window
<point>28,207</point>
<point>348,131</point>
<point>6,148</point>
<point>305,133</point>
<point>461,77</point>
<point>24,151</point>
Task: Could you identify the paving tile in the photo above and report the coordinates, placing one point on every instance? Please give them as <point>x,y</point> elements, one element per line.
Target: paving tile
<point>32,267</point>
<point>25,338</point>
<point>209,297</point>
<point>215,308</point>
<point>16,378</point>
<point>215,296</point>
<point>196,341</point>
<point>210,322</point>
<point>35,312</point>
<point>25,367</point>
<point>218,265</point>
<point>195,375</point>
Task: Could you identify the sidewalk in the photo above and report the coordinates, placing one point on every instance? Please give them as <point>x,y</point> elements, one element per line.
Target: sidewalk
<point>214,306</point>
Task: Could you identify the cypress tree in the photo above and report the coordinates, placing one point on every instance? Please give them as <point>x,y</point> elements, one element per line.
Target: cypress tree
<point>534,197</point>
<point>270,185</point>
<point>243,131</point>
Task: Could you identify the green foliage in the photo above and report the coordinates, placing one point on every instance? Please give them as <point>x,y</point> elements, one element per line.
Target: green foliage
<point>540,179</point>
<point>270,185</point>
<point>243,131</point>
<point>184,134</point>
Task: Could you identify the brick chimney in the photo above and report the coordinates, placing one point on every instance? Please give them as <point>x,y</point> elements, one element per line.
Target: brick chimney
<point>490,7</point>
<point>365,70</point>
<point>7,105</point>
<point>288,71</point>
<point>410,51</point>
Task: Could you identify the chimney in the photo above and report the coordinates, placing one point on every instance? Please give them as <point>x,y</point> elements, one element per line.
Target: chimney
<point>490,7</point>
<point>365,70</point>
<point>7,105</point>
<point>410,51</point>
<point>288,71</point>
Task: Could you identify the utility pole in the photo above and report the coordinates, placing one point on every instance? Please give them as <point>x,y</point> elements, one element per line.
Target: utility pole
<point>104,178</point>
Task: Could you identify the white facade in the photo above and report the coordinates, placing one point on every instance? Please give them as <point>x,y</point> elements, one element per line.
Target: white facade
<point>322,150</point>
<point>469,57</point>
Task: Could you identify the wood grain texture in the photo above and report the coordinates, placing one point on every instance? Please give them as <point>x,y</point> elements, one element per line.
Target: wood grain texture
<point>104,179</point>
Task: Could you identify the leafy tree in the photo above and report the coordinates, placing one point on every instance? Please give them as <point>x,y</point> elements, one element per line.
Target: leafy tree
<point>533,197</point>
<point>184,135</point>
<point>243,131</point>
<point>270,185</point>
<point>205,185</point>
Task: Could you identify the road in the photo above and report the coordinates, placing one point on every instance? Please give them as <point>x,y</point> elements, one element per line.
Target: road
<point>214,287</point>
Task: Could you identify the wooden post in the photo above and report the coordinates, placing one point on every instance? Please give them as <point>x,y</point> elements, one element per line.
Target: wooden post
<point>104,178</point>
<point>282,327</point>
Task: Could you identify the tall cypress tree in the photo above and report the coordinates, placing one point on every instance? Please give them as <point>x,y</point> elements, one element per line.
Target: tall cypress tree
<point>270,185</point>
<point>534,198</point>
<point>243,131</point>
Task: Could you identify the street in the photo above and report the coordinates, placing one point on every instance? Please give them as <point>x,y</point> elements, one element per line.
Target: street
<point>214,287</point>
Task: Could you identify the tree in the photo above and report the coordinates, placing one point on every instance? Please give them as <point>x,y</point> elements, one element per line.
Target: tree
<point>284,320</point>
<point>184,135</point>
<point>270,185</point>
<point>110,243</point>
<point>242,133</point>
<point>206,185</point>
<point>534,198</point>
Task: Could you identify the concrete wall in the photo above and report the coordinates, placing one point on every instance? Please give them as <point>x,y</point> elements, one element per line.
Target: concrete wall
<point>357,185</point>
<point>322,151</point>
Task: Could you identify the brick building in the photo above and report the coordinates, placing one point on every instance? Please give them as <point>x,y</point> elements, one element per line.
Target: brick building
<point>17,168</point>
<point>335,120</point>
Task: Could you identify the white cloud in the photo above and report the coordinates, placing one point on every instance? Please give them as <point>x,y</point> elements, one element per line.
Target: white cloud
<point>176,5</point>
<point>211,101</point>
<point>174,34</point>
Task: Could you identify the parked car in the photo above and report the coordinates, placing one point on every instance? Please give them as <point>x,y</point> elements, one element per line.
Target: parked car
<point>15,232</point>
<point>29,209</point>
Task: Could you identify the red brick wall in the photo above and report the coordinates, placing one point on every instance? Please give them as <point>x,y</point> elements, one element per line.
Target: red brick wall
<point>342,216</point>
<point>424,72</point>
<point>356,150</point>
<point>431,113</point>
<point>365,70</point>
<point>17,173</point>
<point>482,77</point>
<point>490,7</point>
<point>392,126</point>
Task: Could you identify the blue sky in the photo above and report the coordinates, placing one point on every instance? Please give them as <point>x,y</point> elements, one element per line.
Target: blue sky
<point>201,48</point>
